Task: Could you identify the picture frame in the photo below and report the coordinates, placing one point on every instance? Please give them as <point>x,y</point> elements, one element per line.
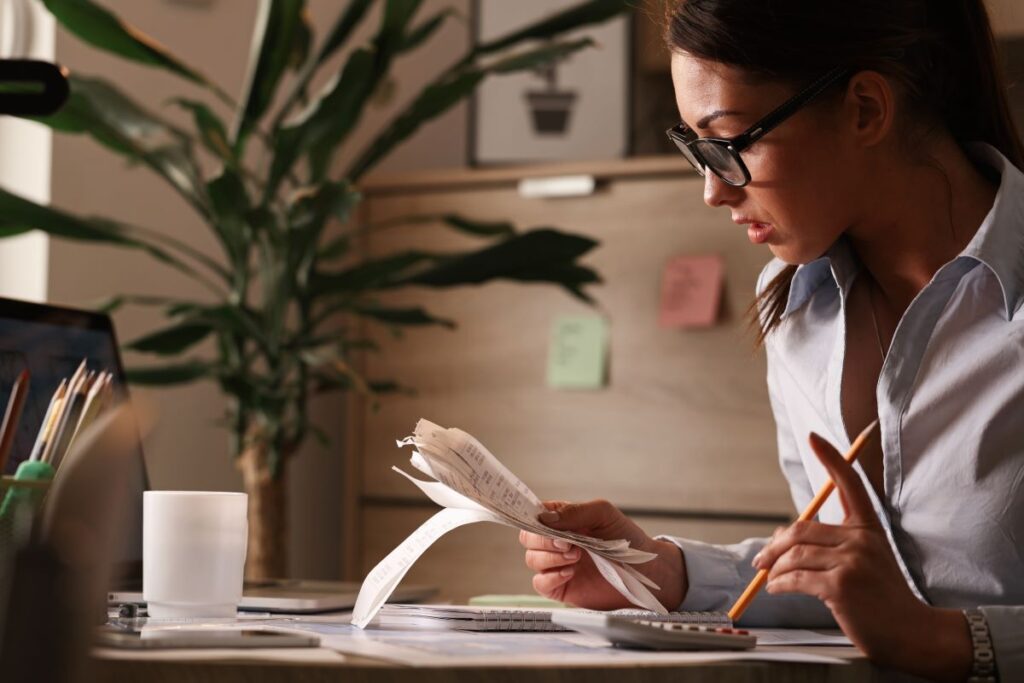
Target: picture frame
<point>576,110</point>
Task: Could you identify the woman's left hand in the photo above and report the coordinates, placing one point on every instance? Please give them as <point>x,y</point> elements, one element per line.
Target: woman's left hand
<point>851,568</point>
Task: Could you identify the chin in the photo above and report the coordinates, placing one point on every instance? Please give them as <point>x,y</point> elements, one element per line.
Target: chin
<point>796,255</point>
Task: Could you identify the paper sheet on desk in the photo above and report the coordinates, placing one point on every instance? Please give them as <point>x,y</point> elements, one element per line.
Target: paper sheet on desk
<point>457,649</point>
<point>473,486</point>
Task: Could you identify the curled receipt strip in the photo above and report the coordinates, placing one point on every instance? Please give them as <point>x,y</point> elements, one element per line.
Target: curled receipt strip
<point>473,486</point>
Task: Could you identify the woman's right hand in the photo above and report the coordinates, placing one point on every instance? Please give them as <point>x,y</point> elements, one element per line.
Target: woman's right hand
<point>566,573</point>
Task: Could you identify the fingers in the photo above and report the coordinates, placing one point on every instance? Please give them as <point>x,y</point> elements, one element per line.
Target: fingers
<point>855,498</point>
<point>552,584</point>
<point>798,533</point>
<point>542,561</point>
<point>804,557</point>
<point>574,516</point>
<point>532,541</point>
<point>806,581</point>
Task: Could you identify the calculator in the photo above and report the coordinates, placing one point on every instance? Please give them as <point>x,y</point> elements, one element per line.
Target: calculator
<point>654,635</point>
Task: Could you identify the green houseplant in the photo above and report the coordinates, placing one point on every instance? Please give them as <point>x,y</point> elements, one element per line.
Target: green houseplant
<point>286,228</point>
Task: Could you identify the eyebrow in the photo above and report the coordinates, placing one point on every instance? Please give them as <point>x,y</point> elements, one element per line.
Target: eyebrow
<point>717,114</point>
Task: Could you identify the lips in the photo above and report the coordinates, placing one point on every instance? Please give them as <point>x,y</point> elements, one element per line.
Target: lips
<point>759,233</point>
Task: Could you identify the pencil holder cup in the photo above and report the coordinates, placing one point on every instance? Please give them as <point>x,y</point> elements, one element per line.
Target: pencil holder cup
<point>21,497</point>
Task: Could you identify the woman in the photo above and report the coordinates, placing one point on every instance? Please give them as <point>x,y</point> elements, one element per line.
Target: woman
<point>888,188</point>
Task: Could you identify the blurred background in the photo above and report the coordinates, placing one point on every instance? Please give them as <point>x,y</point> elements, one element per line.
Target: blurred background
<point>650,396</point>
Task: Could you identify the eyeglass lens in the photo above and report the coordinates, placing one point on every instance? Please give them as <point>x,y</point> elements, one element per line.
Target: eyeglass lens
<point>722,161</point>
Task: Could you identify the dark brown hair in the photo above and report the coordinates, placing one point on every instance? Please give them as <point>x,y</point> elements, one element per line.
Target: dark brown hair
<point>941,53</point>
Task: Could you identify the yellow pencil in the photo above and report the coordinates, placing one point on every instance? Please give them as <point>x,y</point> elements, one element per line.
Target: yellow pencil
<point>44,428</point>
<point>812,509</point>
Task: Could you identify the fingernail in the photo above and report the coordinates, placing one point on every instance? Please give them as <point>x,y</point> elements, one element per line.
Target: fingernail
<point>560,544</point>
<point>548,517</point>
<point>568,571</point>
<point>756,562</point>
<point>571,555</point>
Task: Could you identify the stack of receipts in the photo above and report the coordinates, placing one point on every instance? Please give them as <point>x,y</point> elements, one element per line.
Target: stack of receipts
<point>473,486</point>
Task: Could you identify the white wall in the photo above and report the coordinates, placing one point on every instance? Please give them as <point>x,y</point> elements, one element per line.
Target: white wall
<point>25,161</point>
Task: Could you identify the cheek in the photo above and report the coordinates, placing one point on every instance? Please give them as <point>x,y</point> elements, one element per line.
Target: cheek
<point>798,189</point>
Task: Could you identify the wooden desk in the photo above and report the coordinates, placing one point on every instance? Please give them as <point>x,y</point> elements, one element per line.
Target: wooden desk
<point>152,669</point>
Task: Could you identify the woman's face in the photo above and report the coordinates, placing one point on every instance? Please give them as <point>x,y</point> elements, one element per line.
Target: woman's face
<point>803,178</point>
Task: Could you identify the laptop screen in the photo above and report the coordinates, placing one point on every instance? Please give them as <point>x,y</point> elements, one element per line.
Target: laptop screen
<point>50,342</point>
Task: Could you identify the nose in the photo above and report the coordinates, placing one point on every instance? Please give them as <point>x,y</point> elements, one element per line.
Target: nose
<point>717,192</point>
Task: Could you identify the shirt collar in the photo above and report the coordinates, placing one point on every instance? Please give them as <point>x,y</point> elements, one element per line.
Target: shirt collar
<point>838,266</point>
<point>998,244</point>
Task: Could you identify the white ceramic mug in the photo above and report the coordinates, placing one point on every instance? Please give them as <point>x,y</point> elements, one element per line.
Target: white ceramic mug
<point>193,552</point>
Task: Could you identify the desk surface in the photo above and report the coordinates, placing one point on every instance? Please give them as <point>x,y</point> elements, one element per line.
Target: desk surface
<point>115,666</point>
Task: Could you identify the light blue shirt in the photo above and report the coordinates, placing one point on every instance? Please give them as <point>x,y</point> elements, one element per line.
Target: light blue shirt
<point>951,416</point>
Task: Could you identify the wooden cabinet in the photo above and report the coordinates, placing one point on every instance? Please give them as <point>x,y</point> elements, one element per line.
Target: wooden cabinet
<point>682,436</point>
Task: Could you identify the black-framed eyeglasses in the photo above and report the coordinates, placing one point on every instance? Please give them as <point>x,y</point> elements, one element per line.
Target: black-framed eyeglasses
<point>722,155</point>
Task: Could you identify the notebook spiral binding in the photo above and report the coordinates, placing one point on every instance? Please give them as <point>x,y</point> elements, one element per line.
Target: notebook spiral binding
<point>481,619</point>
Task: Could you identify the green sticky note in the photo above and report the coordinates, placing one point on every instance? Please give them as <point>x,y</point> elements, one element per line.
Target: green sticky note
<point>577,357</point>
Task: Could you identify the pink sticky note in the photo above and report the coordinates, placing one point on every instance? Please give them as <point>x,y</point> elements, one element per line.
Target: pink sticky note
<point>691,289</point>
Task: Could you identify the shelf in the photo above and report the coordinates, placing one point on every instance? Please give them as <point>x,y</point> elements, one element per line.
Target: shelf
<point>457,178</point>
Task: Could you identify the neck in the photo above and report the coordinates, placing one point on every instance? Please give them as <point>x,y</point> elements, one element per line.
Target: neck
<point>922,216</point>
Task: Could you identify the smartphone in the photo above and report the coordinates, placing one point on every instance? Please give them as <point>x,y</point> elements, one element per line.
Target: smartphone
<point>152,638</point>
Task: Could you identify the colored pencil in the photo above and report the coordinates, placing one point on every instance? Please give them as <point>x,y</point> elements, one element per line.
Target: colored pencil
<point>55,405</point>
<point>9,428</point>
<point>69,418</point>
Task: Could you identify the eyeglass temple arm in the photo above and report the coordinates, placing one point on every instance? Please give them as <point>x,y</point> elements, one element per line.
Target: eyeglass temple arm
<point>786,109</point>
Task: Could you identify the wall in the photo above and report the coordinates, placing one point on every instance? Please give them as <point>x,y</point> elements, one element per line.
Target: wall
<point>25,163</point>
<point>189,451</point>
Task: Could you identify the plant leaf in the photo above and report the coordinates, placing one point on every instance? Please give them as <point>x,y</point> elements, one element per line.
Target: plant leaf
<point>98,108</point>
<point>19,215</point>
<point>422,33</point>
<point>330,119</point>
<point>106,31</point>
<point>451,88</point>
<point>336,37</point>
<point>336,248</point>
<point>164,375</point>
<point>540,255</point>
<point>371,274</point>
<point>211,129</point>
<point>280,34</point>
<point>578,16</point>
<point>230,205</point>
<point>343,27</point>
<point>402,316</point>
<point>171,340</point>
<point>309,212</point>
<point>469,226</point>
<point>479,228</point>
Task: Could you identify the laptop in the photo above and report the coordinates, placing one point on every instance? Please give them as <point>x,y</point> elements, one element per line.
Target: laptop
<point>51,341</point>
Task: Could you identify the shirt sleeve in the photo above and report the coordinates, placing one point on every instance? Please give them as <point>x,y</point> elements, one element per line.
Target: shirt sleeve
<point>718,574</point>
<point>1006,626</point>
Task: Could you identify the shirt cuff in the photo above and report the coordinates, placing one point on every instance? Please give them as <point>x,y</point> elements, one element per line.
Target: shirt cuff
<point>711,575</point>
<point>718,574</point>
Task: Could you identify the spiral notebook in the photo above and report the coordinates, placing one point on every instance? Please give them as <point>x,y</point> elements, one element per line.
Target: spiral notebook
<point>463,618</point>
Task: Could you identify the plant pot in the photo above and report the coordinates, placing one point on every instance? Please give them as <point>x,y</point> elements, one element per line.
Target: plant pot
<point>267,552</point>
<point>550,111</point>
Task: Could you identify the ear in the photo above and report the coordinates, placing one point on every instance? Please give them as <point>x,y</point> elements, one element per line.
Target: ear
<point>871,107</point>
